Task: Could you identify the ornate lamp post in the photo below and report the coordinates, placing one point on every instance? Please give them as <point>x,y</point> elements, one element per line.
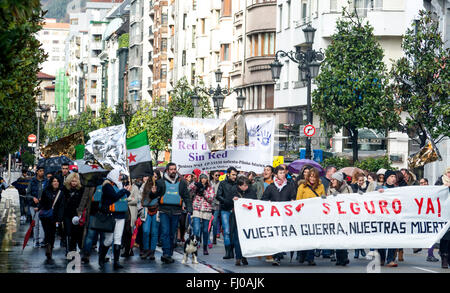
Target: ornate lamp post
<point>308,65</point>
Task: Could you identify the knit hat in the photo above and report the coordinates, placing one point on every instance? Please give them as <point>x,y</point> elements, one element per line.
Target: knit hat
<point>339,176</point>
<point>381,171</point>
<point>203,176</point>
<point>389,173</point>
<point>197,172</point>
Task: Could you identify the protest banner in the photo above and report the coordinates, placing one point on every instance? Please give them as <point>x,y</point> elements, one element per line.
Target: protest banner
<point>403,217</point>
<point>190,150</point>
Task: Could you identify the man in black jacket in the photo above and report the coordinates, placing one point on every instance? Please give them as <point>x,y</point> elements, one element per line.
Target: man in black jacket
<point>172,192</point>
<point>225,195</point>
<point>243,189</point>
<point>280,190</point>
<point>33,194</point>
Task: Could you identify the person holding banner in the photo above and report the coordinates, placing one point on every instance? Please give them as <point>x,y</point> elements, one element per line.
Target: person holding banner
<point>310,187</point>
<point>225,195</point>
<point>339,186</point>
<point>268,176</point>
<point>244,189</point>
<point>113,194</point>
<point>173,193</point>
<point>280,190</point>
<point>444,245</point>
<point>390,182</point>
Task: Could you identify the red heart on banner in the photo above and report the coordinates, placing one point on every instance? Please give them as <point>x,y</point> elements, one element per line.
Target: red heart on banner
<point>299,207</point>
<point>249,207</point>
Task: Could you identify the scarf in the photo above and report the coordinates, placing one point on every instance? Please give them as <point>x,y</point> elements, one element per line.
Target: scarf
<point>173,181</point>
<point>279,184</point>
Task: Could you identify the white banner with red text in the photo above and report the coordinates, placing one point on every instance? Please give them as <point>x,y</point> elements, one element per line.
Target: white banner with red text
<point>402,217</point>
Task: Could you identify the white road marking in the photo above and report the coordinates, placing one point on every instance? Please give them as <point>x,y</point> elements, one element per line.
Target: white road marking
<point>200,268</point>
<point>430,271</point>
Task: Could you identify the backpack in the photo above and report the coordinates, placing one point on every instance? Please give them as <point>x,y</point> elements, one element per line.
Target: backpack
<point>119,206</point>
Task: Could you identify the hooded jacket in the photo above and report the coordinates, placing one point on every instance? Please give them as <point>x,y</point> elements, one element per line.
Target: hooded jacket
<point>183,192</point>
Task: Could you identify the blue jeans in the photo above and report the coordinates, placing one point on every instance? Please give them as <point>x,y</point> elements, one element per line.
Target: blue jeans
<point>308,254</point>
<point>237,245</point>
<point>390,254</point>
<point>225,216</point>
<point>92,237</point>
<point>169,227</point>
<point>216,223</point>
<point>150,227</point>
<point>200,226</point>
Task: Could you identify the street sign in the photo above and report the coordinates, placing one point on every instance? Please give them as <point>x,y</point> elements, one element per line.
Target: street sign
<point>31,138</point>
<point>32,145</point>
<point>309,130</point>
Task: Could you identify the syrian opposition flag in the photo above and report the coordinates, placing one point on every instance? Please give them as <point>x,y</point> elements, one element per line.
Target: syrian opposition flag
<point>90,174</point>
<point>139,157</point>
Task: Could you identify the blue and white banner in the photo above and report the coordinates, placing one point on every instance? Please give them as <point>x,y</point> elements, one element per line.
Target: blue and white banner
<point>190,150</point>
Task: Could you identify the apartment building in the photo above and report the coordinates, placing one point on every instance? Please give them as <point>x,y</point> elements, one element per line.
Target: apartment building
<point>389,19</point>
<point>53,37</point>
<point>83,47</point>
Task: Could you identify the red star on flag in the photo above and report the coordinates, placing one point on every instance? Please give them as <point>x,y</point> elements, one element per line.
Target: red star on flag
<point>94,167</point>
<point>132,158</point>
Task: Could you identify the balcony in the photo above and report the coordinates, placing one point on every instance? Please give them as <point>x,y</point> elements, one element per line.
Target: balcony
<point>384,22</point>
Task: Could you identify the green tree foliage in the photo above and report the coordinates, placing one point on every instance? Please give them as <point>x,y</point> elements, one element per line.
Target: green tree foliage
<point>19,66</point>
<point>375,164</point>
<point>338,162</point>
<point>421,81</point>
<point>27,159</point>
<point>350,90</point>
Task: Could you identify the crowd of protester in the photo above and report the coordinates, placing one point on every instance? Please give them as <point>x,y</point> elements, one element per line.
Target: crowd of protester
<point>163,209</point>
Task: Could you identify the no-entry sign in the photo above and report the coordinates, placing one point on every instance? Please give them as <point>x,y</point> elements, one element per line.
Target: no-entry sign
<point>309,130</point>
<point>31,138</point>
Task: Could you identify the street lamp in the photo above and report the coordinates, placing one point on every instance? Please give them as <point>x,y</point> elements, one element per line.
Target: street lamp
<point>240,101</point>
<point>195,103</point>
<point>308,65</point>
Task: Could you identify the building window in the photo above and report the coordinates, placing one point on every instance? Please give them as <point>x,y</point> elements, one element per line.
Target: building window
<point>164,19</point>
<point>226,8</point>
<point>74,21</point>
<point>93,99</point>
<point>333,5</point>
<point>93,84</point>
<point>288,24</point>
<point>55,58</point>
<point>163,72</point>
<point>193,35</point>
<point>164,44</point>
<point>225,52</point>
<point>194,4</point>
<point>184,21</point>
<point>202,25</point>
<point>304,10</point>
<point>55,41</point>
<point>201,65</point>
<point>262,44</point>
<point>183,58</point>
<point>280,17</point>
<point>94,68</point>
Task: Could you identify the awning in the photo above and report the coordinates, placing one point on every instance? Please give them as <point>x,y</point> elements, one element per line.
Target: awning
<point>113,26</point>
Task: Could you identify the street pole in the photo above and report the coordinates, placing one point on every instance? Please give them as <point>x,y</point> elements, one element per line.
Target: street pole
<point>309,114</point>
<point>9,168</point>
<point>37,141</point>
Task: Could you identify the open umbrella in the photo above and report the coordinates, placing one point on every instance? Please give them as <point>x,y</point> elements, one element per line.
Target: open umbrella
<point>297,165</point>
<point>28,234</point>
<point>133,238</point>
<point>352,170</point>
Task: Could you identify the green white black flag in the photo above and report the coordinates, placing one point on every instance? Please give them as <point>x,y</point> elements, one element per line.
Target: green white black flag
<point>139,156</point>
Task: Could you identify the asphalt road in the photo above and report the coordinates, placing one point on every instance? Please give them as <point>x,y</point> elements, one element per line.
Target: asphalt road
<point>31,260</point>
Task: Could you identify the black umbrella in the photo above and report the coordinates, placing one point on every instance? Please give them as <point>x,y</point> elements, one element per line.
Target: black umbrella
<point>53,165</point>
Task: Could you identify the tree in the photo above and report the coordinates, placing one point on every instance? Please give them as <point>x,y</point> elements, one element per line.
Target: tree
<point>350,90</point>
<point>159,128</point>
<point>421,81</point>
<point>19,65</point>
